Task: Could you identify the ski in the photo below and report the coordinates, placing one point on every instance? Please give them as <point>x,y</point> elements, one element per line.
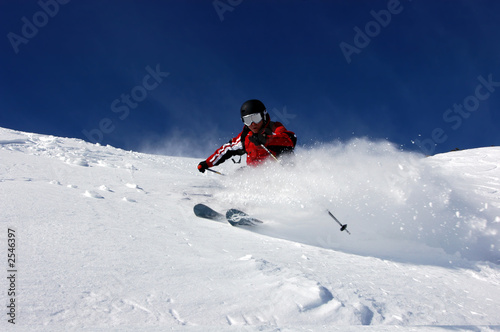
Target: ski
<point>203,211</point>
<point>239,218</point>
<point>233,216</point>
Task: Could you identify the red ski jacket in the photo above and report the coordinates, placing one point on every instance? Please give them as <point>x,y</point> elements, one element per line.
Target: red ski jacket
<point>278,140</point>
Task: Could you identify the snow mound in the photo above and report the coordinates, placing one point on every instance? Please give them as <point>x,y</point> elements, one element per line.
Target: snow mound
<point>397,205</point>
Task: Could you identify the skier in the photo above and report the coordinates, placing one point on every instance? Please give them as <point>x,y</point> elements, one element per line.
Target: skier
<point>259,138</point>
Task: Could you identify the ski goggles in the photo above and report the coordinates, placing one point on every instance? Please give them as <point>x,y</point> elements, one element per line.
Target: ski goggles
<point>252,118</point>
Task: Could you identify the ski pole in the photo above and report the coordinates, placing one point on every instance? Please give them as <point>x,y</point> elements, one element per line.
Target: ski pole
<point>272,155</point>
<point>211,170</point>
<point>342,227</point>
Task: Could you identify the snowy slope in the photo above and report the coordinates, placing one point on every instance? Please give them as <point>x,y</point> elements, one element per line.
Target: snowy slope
<point>106,238</point>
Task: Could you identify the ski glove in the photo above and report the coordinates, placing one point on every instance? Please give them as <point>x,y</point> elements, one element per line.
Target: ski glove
<point>261,138</point>
<point>203,166</point>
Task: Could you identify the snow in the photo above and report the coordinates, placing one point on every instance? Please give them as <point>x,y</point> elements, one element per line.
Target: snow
<point>106,239</point>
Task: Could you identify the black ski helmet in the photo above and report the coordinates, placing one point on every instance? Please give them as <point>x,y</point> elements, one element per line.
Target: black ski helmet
<point>253,106</point>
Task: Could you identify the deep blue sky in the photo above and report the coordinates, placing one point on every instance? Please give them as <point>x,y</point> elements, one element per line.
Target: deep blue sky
<point>66,77</point>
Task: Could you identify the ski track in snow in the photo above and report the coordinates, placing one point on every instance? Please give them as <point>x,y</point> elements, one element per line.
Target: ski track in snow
<point>107,239</point>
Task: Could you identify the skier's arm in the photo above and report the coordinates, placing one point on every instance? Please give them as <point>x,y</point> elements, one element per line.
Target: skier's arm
<point>233,148</point>
<point>282,141</point>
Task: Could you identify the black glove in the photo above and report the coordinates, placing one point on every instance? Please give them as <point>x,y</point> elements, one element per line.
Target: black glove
<point>261,138</point>
<point>203,166</point>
